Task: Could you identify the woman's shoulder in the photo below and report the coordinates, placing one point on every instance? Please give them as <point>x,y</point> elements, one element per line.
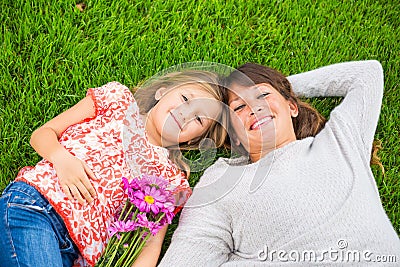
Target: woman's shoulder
<point>219,168</point>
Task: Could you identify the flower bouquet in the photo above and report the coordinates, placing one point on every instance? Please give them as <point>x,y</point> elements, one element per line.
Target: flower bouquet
<point>150,206</point>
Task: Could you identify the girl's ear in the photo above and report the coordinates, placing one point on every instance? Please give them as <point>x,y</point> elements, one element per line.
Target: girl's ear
<point>294,110</point>
<point>160,92</point>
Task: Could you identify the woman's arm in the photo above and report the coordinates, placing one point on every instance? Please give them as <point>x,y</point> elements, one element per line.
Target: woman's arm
<point>201,239</point>
<point>72,172</point>
<point>204,235</point>
<point>337,79</point>
<point>361,85</point>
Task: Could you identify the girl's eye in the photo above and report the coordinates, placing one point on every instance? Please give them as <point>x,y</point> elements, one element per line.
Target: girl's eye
<point>185,98</point>
<point>238,108</point>
<point>199,120</point>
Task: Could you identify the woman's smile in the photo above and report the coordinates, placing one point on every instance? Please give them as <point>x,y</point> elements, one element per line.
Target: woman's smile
<point>262,121</point>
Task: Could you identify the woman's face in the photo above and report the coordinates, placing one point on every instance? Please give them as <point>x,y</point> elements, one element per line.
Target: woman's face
<point>261,118</point>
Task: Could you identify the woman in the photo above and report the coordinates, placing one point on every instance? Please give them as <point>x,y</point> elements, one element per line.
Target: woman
<point>304,192</point>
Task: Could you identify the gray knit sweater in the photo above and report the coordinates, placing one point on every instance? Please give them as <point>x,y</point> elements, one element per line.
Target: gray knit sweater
<point>312,202</point>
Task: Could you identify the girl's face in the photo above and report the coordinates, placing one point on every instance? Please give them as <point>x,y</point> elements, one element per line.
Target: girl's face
<point>181,114</point>
<point>261,118</point>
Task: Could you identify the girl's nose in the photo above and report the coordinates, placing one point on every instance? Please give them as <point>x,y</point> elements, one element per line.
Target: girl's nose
<point>186,113</point>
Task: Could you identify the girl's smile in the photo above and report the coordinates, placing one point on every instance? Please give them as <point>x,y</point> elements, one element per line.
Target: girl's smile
<point>176,120</point>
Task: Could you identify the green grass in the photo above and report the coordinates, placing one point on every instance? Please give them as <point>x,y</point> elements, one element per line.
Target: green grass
<point>52,52</point>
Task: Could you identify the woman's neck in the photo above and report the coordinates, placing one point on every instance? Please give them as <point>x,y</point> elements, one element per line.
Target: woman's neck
<point>257,155</point>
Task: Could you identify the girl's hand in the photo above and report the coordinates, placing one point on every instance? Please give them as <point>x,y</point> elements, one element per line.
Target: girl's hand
<point>73,175</point>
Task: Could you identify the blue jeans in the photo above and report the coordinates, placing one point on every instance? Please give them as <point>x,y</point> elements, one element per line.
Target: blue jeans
<point>31,231</point>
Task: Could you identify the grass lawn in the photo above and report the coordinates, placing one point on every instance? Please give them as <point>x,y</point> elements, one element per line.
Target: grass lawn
<point>52,52</point>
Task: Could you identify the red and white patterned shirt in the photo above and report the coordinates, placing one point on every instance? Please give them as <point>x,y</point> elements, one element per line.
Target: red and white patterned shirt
<point>113,144</point>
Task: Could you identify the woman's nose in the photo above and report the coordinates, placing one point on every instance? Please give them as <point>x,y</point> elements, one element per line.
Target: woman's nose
<point>255,110</point>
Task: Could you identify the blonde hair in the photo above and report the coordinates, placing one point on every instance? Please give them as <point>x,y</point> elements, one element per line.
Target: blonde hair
<point>204,80</point>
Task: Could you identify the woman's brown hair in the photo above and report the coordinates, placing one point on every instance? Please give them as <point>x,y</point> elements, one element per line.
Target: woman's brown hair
<point>309,121</point>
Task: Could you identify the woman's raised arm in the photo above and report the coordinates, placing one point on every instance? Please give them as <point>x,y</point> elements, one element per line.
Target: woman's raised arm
<point>361,85</point>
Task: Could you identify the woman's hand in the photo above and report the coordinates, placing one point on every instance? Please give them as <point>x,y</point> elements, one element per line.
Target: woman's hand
<point>74,177</point>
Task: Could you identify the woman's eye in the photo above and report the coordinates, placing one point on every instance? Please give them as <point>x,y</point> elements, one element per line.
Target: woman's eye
<point>263,95</point>
<point>184,98</point>
<point>238,108</point>
<point>199,120</point>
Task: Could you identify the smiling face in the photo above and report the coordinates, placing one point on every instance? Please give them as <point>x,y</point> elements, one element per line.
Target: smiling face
<point>261,118</point>
<point>181,114</point>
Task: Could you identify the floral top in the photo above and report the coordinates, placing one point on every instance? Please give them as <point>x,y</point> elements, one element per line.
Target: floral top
<point>113,144</point>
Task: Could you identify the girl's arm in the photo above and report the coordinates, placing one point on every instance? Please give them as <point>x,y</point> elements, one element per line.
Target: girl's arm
<point>361,85</point>
<point>72,172</point>
<point>151,251</point>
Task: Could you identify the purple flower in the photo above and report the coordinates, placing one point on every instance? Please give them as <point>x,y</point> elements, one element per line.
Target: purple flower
<point>141,218</point>
<point>169,205</point>
<point>126,183</point>
<point>130,187</point>
<point>150,199</point>
<point>154,227</point>
<point>152,181</point>
<point>121,226</point>
<point>167,219</point>
<point>149,206</point>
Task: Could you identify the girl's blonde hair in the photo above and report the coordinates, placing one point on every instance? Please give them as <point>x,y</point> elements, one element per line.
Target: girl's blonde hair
<point>204,80</point>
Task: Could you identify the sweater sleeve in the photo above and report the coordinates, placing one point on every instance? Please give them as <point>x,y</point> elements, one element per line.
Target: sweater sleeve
<point>361,85</point>
<point>203,236</point>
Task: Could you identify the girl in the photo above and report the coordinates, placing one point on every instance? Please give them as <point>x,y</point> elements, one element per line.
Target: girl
<point>303,194</point>
<point>56,213</point>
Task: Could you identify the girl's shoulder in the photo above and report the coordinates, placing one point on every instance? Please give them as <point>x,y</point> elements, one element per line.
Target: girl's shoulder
<point>112,90</point>
<point>109,94</point>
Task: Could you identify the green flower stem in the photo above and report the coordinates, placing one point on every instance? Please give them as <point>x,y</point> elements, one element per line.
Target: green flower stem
<point>136,252</point>
<point>122,240</point>
<point>112,240</point>
<point>106,252</point>
<point>129,211</point>
<point>133,237</point>
<point>137,247</point>
<point>123,210</point>
<point>159,219</point>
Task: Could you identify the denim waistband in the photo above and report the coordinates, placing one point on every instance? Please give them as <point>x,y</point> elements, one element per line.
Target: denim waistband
<point>27,189</point>
<point>24,199</point>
